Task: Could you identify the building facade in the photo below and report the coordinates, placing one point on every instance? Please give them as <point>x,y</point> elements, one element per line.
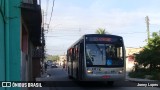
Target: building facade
<point>21,47</point>
<point>10,50</point>
<point>130,60</point>
<point>62,59</point>
<point>31,43</point>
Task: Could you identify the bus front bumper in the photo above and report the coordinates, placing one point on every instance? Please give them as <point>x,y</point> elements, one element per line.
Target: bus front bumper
<point>103,77</point>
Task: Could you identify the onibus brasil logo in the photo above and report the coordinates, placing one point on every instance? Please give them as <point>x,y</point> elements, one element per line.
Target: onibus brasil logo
<point>15,84</point>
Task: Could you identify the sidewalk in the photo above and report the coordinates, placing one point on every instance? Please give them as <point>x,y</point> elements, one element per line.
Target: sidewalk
<point>44,77</point>
<point>137,79</point>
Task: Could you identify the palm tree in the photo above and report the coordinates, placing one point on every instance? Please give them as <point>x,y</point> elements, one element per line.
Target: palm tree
<point>101,31</point>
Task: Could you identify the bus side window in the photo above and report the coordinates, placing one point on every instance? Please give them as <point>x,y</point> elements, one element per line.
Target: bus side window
<point>119,52</point>
<point>72,55</point>
<point>81,49</point>
<point>67,56</point>
<point>81,53</point>
<point>76,52</point>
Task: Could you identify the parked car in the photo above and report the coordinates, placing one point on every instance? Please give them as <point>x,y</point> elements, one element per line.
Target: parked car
<point>49,62</point>
<point>54,66</point>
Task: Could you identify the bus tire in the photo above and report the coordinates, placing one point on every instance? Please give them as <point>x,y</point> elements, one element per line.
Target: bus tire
<point>110,83</point>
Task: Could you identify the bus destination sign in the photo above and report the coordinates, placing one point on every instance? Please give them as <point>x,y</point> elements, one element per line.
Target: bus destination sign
<point>106,39</point>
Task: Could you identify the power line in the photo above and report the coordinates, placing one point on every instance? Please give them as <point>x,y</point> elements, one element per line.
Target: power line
<point>73,34</point>
<point>47,9</point>
<point>51,14</point>
<point>58,34</point>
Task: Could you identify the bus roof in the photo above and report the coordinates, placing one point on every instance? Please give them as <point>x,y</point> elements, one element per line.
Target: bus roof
<point>102,35</point>
<point>110,35</point>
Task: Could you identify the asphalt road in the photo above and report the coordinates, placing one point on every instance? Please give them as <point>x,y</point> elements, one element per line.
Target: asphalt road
<point>61,82</point>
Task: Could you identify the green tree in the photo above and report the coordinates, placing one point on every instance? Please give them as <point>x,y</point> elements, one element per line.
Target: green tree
<point>52,57</point>
<point>55,57</point>
<point>101,31</point>
<point>150,56</point>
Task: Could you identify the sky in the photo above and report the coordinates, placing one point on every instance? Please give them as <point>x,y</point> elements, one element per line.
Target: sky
<point>73,18</point>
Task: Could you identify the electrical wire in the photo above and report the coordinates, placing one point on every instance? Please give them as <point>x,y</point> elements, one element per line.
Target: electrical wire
<point>78,35</point>
<point>46,10</point>
<point>51,14</point>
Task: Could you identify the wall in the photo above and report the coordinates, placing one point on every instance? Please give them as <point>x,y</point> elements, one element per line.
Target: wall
<point>29,62</point>
<point>10,54</point>
<point>13,28</point>
<point>24,53</point>
<point>2,46</point>
<point>130,57</point>
<point>36,68</point>
<point>61,59</point>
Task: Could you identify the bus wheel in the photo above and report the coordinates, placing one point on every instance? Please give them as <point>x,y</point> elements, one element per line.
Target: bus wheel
<point>110,83</point>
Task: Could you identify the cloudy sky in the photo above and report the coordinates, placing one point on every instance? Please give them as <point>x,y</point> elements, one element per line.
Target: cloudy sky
<point>73,18</point>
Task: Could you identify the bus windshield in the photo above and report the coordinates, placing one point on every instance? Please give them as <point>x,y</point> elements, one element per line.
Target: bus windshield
<point>104,55</point>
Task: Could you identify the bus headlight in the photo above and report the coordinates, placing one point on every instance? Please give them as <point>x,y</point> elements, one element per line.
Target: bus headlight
<point>89,71</point>
<point>120,72</point>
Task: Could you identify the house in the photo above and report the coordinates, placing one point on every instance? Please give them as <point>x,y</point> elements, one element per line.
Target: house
<point>31,43</point>
<point>62,59</point>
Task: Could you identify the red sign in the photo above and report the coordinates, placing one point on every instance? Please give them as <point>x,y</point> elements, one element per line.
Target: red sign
<point>131,58</point>
<point>106,76</point>
<point>103,39</point>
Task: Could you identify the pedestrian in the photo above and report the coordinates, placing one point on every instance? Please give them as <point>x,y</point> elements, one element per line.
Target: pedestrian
<point>45,65</point>
<point>64,64</point>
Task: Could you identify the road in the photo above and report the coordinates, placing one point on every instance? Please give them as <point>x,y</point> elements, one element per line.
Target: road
<point>63,83</point>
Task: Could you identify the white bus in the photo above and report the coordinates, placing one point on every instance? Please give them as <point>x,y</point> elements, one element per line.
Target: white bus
<point>97,57</point>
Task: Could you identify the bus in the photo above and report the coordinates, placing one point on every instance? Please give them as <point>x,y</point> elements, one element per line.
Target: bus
<point>97,57</point>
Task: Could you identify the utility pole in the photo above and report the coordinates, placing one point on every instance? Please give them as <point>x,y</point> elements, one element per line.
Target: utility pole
<point>42,39</point>
<point>147,23</point>
<point>148,33</point>
<point>42,18</point>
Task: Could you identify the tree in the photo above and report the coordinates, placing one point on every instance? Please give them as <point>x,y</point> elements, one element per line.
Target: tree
<point>55,58</point>
<point>101,31</point>
<point>150,56</point>
<point>52,57</point>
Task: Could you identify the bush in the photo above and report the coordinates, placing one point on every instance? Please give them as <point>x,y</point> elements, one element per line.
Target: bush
<point>155,76</point>
<point>158,76</point>
<point>142,72</point>
<point>137,74</point>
